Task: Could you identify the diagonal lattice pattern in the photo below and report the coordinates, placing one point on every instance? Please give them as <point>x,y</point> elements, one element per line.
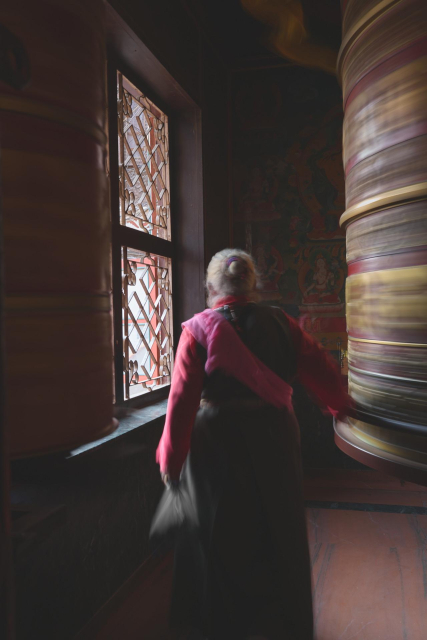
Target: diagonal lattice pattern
<point>143,162</point>
<point>147,321</point>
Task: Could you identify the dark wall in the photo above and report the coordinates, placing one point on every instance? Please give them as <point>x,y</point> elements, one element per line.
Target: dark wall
<point>66,571</point>
<point>170,33</point>
<point>288,196</point>
<point>216,167</point>
<point>174,36</point>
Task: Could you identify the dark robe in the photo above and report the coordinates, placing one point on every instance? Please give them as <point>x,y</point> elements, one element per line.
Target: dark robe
<point>242,563</point>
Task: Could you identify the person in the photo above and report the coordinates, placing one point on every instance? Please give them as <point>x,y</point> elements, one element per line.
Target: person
<point>230,458</point>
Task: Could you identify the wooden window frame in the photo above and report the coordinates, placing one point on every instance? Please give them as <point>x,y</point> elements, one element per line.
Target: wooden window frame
<point>128,55</point>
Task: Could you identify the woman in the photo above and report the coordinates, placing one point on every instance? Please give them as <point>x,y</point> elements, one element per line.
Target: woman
<point>242,566</point>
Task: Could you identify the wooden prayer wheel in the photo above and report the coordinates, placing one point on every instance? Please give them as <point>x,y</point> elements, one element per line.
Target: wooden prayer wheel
<point>57,230</point>
<point>383,68</point>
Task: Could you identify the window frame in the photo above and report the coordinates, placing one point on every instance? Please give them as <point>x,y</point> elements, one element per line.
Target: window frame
<point>129,55</point>
<point>122,236</point>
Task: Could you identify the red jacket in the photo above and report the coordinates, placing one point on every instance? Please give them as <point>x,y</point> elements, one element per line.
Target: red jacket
<point>316,370</point>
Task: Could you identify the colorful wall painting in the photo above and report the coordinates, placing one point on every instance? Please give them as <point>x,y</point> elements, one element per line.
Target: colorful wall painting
<point>288,196</point>
<point>289,193</point>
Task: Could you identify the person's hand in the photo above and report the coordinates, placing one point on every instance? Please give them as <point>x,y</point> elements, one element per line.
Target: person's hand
<point>341,416</point>
<point>165,478</point>
<point>168,481</point>
<point>347,411</point>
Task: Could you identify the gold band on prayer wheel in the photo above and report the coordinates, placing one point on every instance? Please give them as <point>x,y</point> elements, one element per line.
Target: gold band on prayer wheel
<point>407,446</point>
<point>389,342</point>
<point>370,452</point>
<point>388,304</point>
<point>384,200</point>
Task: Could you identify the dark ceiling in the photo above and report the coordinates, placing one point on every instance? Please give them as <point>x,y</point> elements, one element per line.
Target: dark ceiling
<point>242,41</point>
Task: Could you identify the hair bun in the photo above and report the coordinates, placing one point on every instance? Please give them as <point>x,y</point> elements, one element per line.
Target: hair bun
<point>236,266</point>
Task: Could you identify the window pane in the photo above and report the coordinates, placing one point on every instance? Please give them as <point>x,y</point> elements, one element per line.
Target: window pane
<point>143,162</point>
<point>147,321</point>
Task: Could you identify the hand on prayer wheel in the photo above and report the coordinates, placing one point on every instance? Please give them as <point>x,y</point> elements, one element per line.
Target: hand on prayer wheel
<point>57,230</point>
<point>383,67</point>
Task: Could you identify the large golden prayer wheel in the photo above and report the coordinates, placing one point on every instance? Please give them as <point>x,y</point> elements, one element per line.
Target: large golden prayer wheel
<point>383,67</point>
<point>57,229</point>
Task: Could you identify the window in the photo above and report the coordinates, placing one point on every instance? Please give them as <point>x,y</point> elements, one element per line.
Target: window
<point>143,162</point>
<point>142,246</point>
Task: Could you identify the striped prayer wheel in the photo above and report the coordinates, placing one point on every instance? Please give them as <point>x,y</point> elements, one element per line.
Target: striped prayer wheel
<point>383,68</point>
<point>57,230</point>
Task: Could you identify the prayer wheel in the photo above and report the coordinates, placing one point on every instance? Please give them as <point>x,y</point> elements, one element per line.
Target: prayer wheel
<point>383,68</point>
<point>56,230</point>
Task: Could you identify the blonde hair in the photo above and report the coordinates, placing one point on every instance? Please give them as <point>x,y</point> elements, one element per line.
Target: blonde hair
<point>231,272</point>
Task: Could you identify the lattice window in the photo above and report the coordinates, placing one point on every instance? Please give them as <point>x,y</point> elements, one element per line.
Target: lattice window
<point>147,321</point>
<point>143,162</point>
<point>142,248</point>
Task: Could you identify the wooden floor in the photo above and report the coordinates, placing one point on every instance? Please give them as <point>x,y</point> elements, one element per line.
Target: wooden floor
<point>369,567</point>
<point>368,541</point>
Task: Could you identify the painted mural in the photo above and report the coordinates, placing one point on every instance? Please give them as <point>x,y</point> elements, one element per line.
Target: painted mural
<point>289,193</point>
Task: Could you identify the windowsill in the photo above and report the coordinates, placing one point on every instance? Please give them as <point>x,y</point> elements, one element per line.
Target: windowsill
<point>137,418</point>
